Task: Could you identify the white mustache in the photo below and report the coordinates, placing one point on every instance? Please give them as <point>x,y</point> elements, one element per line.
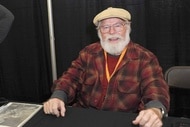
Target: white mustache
<point>113,37</point>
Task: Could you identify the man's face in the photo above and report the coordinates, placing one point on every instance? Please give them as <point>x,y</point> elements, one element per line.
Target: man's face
<point>114,35</point>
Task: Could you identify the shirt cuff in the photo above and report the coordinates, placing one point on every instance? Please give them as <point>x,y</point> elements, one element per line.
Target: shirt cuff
<point>60,95</point>
<point>157,104</point>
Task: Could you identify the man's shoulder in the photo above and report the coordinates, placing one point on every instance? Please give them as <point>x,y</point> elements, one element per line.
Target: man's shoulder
<point>140,50</point>
<point>137,46</point>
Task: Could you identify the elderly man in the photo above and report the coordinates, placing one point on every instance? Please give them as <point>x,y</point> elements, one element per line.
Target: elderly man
<point>114,74</point>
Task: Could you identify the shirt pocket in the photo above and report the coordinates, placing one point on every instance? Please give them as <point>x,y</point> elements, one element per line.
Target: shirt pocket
<point>87,89</point>
<point>89,82</point>
<point>128,87</point>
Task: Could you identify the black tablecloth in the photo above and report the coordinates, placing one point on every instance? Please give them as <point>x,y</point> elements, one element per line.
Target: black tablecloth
<point>79,117</point>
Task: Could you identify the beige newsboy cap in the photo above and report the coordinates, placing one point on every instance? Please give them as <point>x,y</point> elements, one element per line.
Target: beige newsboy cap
<point>111,13</point>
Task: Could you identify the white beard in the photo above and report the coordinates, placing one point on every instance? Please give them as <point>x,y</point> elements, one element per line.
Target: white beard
<point>114,48</point>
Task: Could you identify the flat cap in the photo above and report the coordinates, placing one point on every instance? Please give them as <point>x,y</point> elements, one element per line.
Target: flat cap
<point>111,13</point>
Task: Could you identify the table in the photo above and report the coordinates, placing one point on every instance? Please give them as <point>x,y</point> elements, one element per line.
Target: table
<point>79,117</point>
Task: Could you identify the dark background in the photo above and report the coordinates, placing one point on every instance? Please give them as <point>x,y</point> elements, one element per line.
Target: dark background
<point>162,26</point>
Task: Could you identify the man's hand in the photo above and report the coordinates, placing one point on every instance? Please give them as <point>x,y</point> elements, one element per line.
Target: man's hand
<point>54,106</point>
<point>149,118</point>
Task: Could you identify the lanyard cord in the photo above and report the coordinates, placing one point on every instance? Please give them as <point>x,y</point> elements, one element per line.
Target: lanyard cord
<point>108,76</point>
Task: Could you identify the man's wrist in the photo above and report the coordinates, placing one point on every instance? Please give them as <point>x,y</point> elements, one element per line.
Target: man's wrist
<point>158,112</point>
<point>159,106</point>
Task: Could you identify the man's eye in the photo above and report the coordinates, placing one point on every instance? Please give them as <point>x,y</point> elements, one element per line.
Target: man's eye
<point>117,25</point>
<point>105,27</point>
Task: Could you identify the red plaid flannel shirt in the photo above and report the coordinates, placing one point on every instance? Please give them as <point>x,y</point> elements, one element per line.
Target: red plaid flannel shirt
<point>137,80</point>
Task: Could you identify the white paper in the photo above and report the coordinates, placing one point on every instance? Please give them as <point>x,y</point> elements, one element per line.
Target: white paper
<point>16,114</point>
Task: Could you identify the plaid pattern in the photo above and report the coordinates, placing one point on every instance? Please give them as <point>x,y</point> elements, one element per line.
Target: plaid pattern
<point>137,80</point>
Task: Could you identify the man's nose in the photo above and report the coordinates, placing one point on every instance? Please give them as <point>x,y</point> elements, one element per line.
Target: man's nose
<point>112,30</point>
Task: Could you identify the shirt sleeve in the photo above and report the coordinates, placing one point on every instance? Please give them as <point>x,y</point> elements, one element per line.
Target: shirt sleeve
<point>6,19</point>
<point>157,104</point>
<point>60,94</point>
